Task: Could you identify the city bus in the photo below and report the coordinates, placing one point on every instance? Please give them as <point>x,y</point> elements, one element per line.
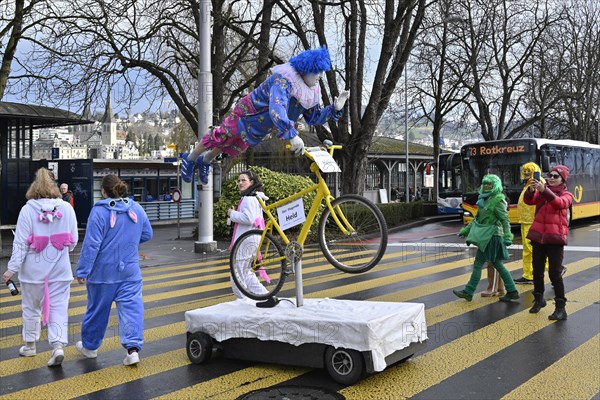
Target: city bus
<point>505,158</point>
<point>449,193</point>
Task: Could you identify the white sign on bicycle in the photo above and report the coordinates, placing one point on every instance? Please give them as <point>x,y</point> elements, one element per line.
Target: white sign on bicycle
<point>291,214</point>
<point>324,160</point>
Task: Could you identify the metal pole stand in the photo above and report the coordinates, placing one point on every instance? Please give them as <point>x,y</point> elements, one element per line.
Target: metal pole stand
<point>293,253</point>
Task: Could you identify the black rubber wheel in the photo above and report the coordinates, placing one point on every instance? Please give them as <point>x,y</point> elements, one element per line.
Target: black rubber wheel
<point>345,366</point>
<point>362,248</point>
<point>199,347</point>
<point>258,275</point>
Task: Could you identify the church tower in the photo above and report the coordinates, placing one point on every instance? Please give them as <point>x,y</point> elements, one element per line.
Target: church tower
<point>109,125</point>
<point>82,133</point>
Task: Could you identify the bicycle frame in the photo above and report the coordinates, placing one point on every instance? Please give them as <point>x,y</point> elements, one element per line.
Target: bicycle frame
<point>323,195</point>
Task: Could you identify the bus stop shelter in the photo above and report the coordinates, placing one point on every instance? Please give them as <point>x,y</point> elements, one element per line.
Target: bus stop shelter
<point>17,122</point>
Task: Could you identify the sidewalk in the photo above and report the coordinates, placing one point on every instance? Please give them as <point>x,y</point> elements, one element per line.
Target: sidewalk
<point>167,248</point>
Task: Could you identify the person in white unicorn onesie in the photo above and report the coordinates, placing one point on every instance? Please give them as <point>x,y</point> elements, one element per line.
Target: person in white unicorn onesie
<point>247,216</point>
<point>46,232</point>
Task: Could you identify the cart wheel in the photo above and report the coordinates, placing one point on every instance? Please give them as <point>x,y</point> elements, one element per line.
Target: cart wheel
<point>345,366</point>
<point>199,347</point>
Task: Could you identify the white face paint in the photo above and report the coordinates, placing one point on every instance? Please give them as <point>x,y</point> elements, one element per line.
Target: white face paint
<point>312,80</point>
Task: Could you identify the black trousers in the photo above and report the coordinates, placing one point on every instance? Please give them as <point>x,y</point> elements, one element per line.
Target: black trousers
<point>554,253</point>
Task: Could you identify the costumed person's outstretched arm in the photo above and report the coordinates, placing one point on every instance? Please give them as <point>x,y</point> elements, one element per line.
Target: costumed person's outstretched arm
<point>318,115</point>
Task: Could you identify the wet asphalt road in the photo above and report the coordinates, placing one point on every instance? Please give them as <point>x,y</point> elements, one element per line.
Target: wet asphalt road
<point>476,350</point>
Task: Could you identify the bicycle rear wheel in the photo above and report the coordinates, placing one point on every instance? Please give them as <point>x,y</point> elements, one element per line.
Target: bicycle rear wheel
<point>363,246</point>
<point>257,264</point>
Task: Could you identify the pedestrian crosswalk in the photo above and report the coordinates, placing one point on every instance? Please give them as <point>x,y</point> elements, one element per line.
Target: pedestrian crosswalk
<point>478,349</point>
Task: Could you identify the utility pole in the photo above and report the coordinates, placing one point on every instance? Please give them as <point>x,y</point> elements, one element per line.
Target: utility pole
<point>406,189</point>
<point>205,241</point>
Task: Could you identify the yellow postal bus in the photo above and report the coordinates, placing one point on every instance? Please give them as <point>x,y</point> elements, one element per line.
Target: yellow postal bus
<point>505,158</point>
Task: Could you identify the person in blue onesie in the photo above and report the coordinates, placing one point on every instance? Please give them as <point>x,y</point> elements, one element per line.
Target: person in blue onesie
<point>291,91</point>
<point>109,266</point>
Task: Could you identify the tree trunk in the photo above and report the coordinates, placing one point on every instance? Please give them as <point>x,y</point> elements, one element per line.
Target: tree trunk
<point>11,45</point>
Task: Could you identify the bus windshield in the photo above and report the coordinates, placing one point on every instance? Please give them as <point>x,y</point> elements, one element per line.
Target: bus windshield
<point>504,160</point>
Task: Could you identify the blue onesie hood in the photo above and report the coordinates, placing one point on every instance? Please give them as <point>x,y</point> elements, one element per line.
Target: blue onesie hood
<point>110,249</point>
<point>116,207</point>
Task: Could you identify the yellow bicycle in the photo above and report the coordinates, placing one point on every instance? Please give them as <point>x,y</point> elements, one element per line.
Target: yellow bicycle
<point>352,235</point>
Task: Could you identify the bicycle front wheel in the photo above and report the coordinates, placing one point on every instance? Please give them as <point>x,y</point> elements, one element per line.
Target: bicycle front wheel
<point>257,264</point>
<point>361,248</point>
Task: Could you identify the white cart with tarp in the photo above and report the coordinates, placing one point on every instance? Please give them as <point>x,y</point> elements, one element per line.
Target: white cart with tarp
<point>348,338</point>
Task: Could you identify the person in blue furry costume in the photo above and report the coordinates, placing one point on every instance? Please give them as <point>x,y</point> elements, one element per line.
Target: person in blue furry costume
<point>291,91</point>
<point>109,267</point>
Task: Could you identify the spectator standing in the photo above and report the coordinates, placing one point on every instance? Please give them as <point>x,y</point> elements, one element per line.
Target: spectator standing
<point>67,195</point>
<point>109,266</point>
<point>46,231</point>
<point>526,214</point>
<point>548,235</point>
<point>418,195</point>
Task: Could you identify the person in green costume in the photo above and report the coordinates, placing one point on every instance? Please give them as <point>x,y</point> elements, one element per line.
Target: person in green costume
<point>490,232</point>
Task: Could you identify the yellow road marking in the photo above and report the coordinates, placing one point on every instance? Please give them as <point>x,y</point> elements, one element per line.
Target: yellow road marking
<point>158,333</point>
<point>434,366</point>
<point>552,383</point>
<point>181,292</point>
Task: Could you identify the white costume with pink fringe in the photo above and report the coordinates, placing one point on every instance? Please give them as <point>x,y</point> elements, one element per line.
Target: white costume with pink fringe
<point>46,232</point>
<point>248,216</point>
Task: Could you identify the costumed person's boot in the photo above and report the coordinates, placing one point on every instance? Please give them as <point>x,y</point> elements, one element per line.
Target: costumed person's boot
<point>559,312</point>
<point>463,295</point>
<point>510,296</point>
<point>538,303</point>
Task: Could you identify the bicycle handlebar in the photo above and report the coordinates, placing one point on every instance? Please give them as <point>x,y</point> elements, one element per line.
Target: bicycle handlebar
<point>327,144</point>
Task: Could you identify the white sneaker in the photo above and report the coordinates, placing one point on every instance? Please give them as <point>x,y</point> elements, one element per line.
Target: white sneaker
<point>58,355</point>
<point>132,359</point>
<point>87,353</point>
<point>27,351</point>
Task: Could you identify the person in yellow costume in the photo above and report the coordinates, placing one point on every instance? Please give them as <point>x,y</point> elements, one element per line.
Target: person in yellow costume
<point>526,214</point>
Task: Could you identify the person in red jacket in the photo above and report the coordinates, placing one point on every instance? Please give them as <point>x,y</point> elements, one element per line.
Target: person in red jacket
<point>548,235</point>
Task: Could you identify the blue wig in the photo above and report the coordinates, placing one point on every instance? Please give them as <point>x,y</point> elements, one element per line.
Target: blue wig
<point>311,61</point>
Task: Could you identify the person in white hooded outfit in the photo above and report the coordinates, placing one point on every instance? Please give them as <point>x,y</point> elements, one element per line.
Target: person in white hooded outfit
<point>45,234</point>
<point>248,216</point>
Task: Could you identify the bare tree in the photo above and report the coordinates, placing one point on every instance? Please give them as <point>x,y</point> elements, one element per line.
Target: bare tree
<point>437,87</point>
<point>16,19</point>
<point>394,24</point>
<point>499,41</point>
<point>147,49</point>
<point>575,52</point>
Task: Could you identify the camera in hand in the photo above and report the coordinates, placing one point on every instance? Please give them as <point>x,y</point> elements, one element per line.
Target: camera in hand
<point>536,175</point>
<point>12,287</point>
